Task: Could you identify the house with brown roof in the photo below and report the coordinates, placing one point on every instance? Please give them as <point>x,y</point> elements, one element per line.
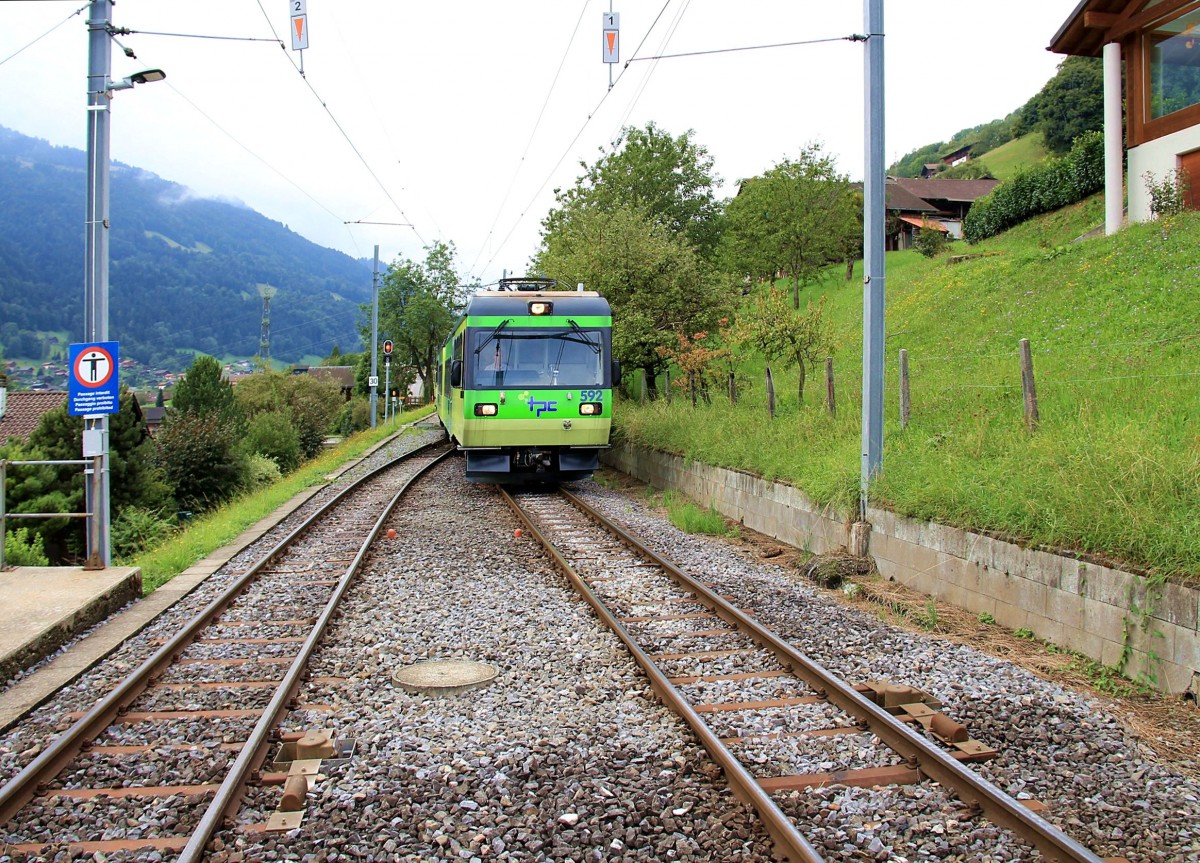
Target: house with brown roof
<point>1156,43</point>
<point>940,205</point>
<point>24,410</point>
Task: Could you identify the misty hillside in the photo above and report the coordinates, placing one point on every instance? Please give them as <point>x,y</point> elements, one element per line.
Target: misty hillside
<point>184,271</point>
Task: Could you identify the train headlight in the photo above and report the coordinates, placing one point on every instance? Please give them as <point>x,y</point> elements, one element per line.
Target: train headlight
<point>485,410</point>
<point>540,308</point>
<point>590,409</point>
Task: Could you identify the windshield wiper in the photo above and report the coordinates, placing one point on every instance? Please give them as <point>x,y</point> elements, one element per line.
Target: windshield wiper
<point>587,341</point>
<point>495,333</point>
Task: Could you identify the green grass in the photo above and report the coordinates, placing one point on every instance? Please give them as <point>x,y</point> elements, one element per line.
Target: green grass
<point>213,530</point>
<point>690,518</point>
<point>1114,325</point>
<point>1008,158</point>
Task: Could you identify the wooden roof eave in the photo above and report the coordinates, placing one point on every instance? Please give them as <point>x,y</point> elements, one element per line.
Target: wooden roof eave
<point>1095,23</point>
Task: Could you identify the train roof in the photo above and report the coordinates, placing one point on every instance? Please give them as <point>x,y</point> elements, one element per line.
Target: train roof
<point>565,302</point>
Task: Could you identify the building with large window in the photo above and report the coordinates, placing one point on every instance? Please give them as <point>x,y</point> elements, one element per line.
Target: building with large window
<point>1156,43</point>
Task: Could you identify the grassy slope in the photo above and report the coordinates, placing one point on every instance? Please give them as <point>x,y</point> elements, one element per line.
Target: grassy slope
<point>1114,325</point>
<point>1007,159</point>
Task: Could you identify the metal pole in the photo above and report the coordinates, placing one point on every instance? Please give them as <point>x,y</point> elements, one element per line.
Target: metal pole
<point>96,269</point>
<point>375,338</point>
<point>874,218</point>
<point>387,386</point>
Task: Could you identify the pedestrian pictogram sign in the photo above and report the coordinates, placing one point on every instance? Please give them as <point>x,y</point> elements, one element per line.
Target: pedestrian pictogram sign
<point>93,388</point>
<point>612,37</point>
<point>299,24</point>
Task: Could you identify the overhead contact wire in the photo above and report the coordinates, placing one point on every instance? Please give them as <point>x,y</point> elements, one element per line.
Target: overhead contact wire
<point>349,141</point>
<point>537,123</point>
<point>78,11</point>
<point>571,145</point>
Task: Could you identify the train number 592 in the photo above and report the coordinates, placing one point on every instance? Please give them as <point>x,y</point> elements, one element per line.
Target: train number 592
<point>591,395</point>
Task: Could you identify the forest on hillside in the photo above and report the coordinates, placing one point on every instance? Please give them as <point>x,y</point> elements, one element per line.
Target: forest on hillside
<point>184,271</point>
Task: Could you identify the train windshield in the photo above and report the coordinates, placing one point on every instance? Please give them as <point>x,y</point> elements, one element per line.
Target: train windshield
<point>514,357</point>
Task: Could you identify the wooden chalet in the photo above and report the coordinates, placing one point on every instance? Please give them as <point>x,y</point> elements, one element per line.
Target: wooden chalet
<point>941,205</point>
<point>1156,43</point>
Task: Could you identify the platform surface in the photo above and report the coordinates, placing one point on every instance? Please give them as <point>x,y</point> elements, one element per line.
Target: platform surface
<point>45,606</point>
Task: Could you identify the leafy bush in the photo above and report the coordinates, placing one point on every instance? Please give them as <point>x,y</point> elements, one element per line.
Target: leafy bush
<point>272,434</point>
<point>23,548</point>
<point>261,471</point>
<point>1168,196</point>
<point>200,457</point>
<point>930,242</point>
<point>135,529</point>
<point>354,416</point>
<point>1041,189</point>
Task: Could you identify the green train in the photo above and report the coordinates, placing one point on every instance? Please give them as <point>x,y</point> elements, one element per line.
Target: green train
<point>525,383</point>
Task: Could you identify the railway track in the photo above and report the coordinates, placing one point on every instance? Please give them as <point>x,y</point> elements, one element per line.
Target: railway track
<point>207,707</point>
<point>774,720</point>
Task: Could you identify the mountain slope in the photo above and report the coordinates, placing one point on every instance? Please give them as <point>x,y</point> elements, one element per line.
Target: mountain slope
<point>184,271</point>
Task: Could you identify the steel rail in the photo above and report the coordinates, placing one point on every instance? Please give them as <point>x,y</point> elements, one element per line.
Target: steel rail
<point>921,753</point>
<point>788,840</point>
<point>229,796</point>
<point>26,784</point>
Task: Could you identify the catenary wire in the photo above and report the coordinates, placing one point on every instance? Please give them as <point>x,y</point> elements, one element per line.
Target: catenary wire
<point>573,141</point>
<point>533,133</point>
<point>78,11</point>
<point>340,128</point>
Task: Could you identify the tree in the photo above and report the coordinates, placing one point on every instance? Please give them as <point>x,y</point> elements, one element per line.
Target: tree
<point>135,482</point>
<point>203,390</point>
<point>797,218</point>
<point>418,304</point>
<point>668,179</point>
<point>798,338</point>
<point>656,282</point>
<point>1071,103</point>
<point>201,458</point>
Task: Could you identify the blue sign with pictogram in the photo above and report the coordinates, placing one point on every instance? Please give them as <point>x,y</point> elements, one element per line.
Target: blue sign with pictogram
<point>93,387</point>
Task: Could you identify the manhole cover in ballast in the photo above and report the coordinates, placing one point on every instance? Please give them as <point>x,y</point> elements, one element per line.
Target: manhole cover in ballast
<point>445,676</point>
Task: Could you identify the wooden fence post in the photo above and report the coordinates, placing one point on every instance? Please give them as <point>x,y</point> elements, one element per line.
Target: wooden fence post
<point>1029,387</point>
<point>905,404</point>
<point>830,401</point>
<point>770,393</point>
<point>642,389</point>
<point>667,385</point>
<point>732,389</point>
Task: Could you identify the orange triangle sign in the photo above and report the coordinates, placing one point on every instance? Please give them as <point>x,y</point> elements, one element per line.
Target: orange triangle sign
<point>611,36</point>
<point>299,23</point>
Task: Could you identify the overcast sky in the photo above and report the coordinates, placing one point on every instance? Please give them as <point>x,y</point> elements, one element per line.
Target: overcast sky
<point>461,117</point>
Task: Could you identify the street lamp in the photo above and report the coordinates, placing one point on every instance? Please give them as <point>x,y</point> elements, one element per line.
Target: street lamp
<point>95,299</point>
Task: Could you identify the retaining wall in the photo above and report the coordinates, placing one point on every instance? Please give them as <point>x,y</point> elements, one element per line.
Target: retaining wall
<point>1107,614</point>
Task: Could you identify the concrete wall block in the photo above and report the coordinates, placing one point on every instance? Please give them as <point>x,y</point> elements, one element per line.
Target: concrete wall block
<point>1108,621</point>
<point>1072,575</point>
<point>1112,654</point>
<point>1179,605</point>
<point>1106,585</point>
<point>1011,616</point>
<point>1182,646</point>
<point>1065,608</point>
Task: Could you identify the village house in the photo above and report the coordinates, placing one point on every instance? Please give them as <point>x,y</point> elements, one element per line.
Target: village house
<point>1158,44</point>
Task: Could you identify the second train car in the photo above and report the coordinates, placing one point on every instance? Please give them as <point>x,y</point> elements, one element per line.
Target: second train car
<point>525,382</point>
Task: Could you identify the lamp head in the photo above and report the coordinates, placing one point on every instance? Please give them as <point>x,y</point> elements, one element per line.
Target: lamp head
<point>146,76</point>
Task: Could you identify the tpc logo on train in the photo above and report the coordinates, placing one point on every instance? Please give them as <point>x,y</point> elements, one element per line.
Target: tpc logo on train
<point>93,388</point>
